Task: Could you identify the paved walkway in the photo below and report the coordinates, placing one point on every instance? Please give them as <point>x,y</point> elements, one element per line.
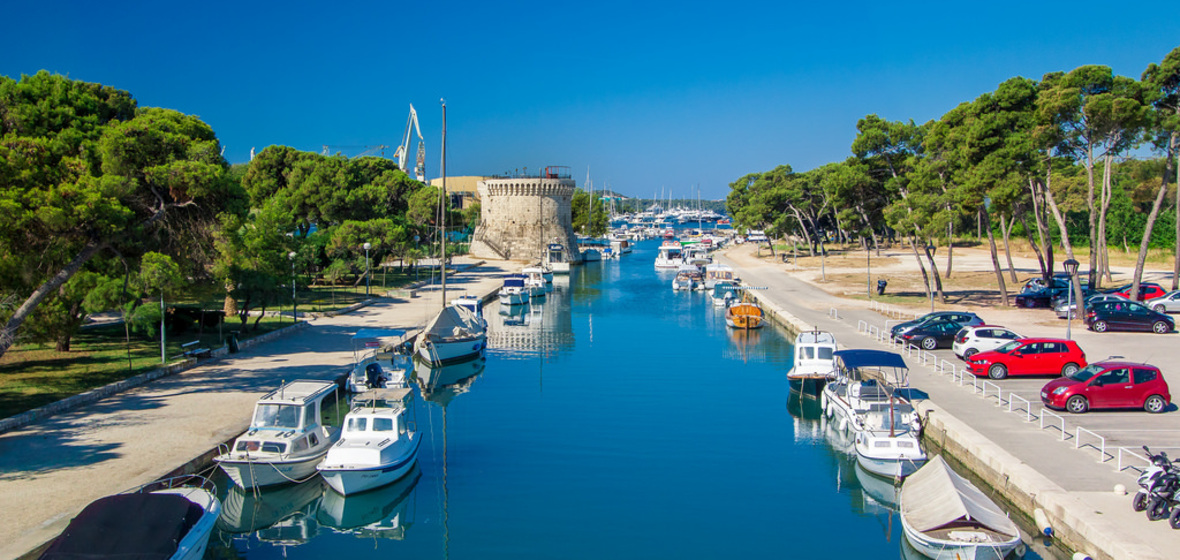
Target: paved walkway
<point>1078,472</point>
<point>50,470</point>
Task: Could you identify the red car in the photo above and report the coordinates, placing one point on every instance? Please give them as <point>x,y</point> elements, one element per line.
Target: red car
<point>1029,356</point>
<point>1109,385</point>
<point>1147,290</point>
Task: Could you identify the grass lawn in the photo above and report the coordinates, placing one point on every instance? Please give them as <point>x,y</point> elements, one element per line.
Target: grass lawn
<point>33,375</point>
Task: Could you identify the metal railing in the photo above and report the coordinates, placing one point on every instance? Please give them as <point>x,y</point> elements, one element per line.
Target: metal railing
<point>1012,398</point>
<point>1077,442</point>
<point>1045,413</point>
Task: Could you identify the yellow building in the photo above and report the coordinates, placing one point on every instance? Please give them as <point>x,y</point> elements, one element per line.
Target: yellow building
<point>462,189</point>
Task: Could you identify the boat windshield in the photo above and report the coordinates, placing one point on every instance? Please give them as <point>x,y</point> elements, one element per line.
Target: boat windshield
<point>1086,373</point>
<point>816,353</point>
<point>276,416</point>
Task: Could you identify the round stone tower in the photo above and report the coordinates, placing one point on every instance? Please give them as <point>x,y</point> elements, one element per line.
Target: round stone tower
<point>521,216</point>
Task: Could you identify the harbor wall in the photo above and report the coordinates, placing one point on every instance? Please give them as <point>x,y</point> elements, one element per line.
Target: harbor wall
<point>1076,526</point>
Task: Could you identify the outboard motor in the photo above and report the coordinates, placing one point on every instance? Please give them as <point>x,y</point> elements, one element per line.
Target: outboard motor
<point>374,377</point>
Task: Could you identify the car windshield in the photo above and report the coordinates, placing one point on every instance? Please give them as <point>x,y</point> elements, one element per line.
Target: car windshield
<point>1086,373</point>
<point>1009,347</point>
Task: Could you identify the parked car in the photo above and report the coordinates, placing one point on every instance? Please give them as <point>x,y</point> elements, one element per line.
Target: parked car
<point>1147,290</point>
<point>1111,384</point>
<point>1127,315</point>
<point>1060,280</point>
<point>1167,303</point>
<point>933,334</point>
<point>963,318</point>
<point>1040,298</point>
<point>1064,308</point>
<point>1029,356</point>
<point>982,338</point>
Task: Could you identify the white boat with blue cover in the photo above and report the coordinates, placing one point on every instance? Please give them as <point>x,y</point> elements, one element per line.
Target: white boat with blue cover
<point>513,290</point>
<point>865,378</point>
<point>379,444</point>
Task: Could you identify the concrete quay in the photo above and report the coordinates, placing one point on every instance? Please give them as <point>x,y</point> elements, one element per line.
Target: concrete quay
<point>1068,472</point>
<point>55,466</point>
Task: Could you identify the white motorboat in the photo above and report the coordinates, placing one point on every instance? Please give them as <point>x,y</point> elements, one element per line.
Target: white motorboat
<point>370,370</point>
<point>887,442</point>
<point>715,272</point>
<point>455,334</point>
<point>534,282</point>
<point>471,303</point>
<point>557,259</point>
<point>814,362</point>
<point>379,444</point>
<point>166,519</point>
<point>285,440</point>
<point>669,255</point>
<point>865,378</point>
<point>723,293</point>
<point>513,291</point>
<point>687,278</point>
<point>945,517</point>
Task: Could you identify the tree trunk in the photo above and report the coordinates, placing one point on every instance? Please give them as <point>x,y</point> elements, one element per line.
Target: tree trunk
<point>1039,214</point>
<point>991,241</point>
<point>1093,212</point>
<point>937,278</point>
<point>1006,230</point>
<point>1104,204</point>
<point>1077,286</point>
<point>1175,149</point>
<point>1141,261</point>
<point>950,245</point>
<point>8,334</point>
<point>921,266</point>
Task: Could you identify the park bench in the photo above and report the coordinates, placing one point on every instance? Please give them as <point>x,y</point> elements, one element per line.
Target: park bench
<point>192,351</point>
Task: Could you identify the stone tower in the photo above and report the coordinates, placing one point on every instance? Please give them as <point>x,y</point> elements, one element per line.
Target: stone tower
<point>520,216</point>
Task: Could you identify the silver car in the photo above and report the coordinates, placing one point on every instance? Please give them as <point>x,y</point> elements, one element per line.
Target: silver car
<point>1167,303</point>
<point>1064,309</point>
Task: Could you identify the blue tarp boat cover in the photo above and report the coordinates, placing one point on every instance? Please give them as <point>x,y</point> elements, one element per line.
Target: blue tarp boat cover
<point>856,359</point>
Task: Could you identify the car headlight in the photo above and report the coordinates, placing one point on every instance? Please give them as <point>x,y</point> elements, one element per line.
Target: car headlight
<point>1059,390</point>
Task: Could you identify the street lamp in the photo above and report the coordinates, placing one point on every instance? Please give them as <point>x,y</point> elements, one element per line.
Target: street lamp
<point>1071,268</point>
<point>294,300</point>
<point>367,247</point>
<point>416,257</point>
<point>869,269</point>
<point>930,248</point>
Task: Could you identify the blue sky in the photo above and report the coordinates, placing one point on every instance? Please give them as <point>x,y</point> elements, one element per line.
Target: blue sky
<point>647,95</point>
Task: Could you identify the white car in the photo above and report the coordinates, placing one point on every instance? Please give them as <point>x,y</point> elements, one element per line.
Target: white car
<point>972,340</point>
<point>1167,303</point>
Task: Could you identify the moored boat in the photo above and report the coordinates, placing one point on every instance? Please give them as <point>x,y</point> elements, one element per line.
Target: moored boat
<point>745,314</point>
<point>945,517</point>
<point>534,282</point>
<point>285,440</point>
<point>887,441</point>
<point>687,278</point>
<point>379,443</point>
<point>165,519</point>
<point>715,272</point>
<point>723,293</point>
<point>455,334</point>
<point>557,259</point>
<point>814,362</point>
<point>370,371</point>
<point>513,291</point>
<point>669,255</point>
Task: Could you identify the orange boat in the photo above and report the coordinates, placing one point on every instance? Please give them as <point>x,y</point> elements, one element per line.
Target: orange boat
<point>745,314</point>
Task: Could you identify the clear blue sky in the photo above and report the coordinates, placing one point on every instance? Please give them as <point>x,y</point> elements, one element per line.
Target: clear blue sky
<point>647,95</point>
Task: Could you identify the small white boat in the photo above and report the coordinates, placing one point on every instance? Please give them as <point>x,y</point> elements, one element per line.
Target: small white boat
<point>557,258</point>
<point>470,303</point>
<point>590,255</point>
<point>372,370</point>
<point>715,272</point>
<point>285,440</point>
<point>379,443</point>
<point>513,291</point>
<point>534,282</point>
<point>865,378</point>
<point>814,362</point>
<point>687,278</point>
<point>945,517</point>
<point>723,293</point>
<point>887,441</point>
<point>161,520</point>
<point>455,334</point>
<point>669,255</point>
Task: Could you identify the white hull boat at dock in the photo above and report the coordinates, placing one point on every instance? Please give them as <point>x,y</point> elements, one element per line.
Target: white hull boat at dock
<point>379,444</point>
<point>945,517</point>
<point>454,335</point>
<point>814,362</point>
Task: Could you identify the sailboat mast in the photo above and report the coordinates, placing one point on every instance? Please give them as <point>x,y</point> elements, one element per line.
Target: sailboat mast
<point>442,207</point>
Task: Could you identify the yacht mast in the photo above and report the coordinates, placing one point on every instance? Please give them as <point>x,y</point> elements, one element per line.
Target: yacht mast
<point>442,207</point>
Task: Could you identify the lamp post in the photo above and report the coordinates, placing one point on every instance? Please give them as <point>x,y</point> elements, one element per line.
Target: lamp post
<point>930,248</point>
<point>294,300</point>
<point>1071,268</point>
<point>869,269</point>
<point>416,257</point>
<point>367,247</point>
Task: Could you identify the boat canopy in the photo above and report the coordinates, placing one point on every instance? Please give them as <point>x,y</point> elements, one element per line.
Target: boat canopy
<point>378,333</point>
<point>143,526</point>
<point>856,359</point>
<point>514,281</point>
<point>937,497</point>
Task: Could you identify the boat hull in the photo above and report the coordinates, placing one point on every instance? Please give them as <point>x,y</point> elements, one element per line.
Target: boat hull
<point>888,467</point>
<point>359,479</point>
<point>811,386</point>
<point>452,351</point>
<point>255,473</point>
<point>514,298</point>
<point>560,268</point>
<point>192,545</point>
<point>942,549</point>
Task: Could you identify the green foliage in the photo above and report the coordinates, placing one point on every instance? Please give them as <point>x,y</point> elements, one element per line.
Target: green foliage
<point>581,208</point>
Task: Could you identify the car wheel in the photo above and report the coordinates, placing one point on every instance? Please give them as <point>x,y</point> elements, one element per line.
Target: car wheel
<point>1030,303</point>
<point>997,371</point>
<point>1159,308</point>
<point>1077,404</point>
<point>1160,327</point>
<point>1069,369</point>
<point>1139,502</point>
<point>929,343</point>
<point>1099,326</point>
<point>1155,404</point>
<point>969,352</point>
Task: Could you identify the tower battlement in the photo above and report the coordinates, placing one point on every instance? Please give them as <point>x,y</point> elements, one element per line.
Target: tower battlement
<point>520,216</point>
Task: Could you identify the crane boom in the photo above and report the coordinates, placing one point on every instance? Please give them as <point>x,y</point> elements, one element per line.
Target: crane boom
<point>403,151</point>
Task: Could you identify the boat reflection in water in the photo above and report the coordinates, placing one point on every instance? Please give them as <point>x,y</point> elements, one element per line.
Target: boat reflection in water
<point>284,515</point>
<point>807,416</point>
<point>378,513</point>
<point>440,384</point>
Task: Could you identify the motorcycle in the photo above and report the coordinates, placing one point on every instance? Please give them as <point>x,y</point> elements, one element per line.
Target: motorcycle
<point>1161,497</point>
<point>1160,465</point>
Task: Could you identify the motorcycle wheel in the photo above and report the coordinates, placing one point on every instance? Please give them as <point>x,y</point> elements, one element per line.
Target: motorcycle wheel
<point>1139,502</point>
<point>1157,508</point>
<point>1174,519</point>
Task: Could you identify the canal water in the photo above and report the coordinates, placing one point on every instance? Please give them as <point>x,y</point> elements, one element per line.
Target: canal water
<point>616,419</point>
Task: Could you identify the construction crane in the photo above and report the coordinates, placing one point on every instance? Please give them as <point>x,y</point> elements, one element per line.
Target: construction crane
<point>402,154</point>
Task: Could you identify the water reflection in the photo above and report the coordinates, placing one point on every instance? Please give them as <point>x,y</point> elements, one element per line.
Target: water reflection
<point>283,516</point>
<point>441,384</point>
<point>378,513</point>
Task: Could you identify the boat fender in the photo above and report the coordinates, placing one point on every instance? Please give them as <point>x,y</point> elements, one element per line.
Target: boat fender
<point>1081,556</point>
<point>1042,521</point>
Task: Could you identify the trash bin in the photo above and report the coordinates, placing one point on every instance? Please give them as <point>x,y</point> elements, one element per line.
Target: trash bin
<point>232,342</point>
<point>881,287</point>
<point>786,257</point>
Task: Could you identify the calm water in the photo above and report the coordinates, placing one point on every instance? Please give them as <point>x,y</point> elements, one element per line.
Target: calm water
<point>615,420</point>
